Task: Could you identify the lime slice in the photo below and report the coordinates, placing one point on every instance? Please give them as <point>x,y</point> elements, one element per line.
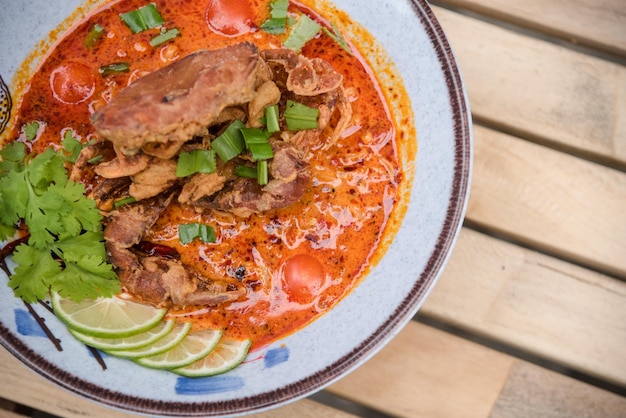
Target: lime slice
<point>172,339</point>
<point>127,343</point>
<point>228,354</point>
<point>106,317</point>
<point>195,346</point>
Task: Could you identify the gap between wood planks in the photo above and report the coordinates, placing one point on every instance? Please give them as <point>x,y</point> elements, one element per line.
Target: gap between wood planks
<point>518,353</point>
<point>592,50</point>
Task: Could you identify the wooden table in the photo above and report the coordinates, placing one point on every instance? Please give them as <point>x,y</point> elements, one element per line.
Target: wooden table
<point>529,317</point>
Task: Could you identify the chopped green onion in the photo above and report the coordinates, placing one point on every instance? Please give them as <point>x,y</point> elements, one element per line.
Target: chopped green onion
<point>246,172</point>
<point>261,151</point>
<point>300,117</point>
<point>117,67</point>
<point>302,32</point>
<point>271,119</point>
<point>197,161</point>
<point>94,34</point>
<point>188,232</point>
<point>337,36</point>
<point>164,37</point>
<point>123,202</point>
<point>230,143</point>
<point>30,130</point>
<point>95,159</point>
<point>278,17</point>
<point>144,18</point>
<point>262,172</point>
<point>254,136</point>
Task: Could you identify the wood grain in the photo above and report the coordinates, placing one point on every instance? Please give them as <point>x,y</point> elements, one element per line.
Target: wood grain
<point>415,375</point>
<point>594,23</point>
<point>531,391</point>
<point>538,304</point>
<point>540,90</point>
<point>550,200</point>
<point>21,385</point>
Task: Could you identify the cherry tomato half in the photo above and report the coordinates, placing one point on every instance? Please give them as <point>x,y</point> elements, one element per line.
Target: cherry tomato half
<point>303,277</point>
<point>229,18</point>
<point>72,83</point>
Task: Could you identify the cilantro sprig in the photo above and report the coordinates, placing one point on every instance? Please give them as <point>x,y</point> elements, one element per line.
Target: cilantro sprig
<point>65,250</point>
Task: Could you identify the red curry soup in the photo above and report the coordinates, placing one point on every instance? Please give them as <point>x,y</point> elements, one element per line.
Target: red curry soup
<point>287,210</point>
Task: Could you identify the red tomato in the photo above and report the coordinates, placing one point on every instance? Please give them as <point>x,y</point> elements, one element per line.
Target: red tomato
<point>229,18</point>
<point>303,277</point>
<point>72,83</point>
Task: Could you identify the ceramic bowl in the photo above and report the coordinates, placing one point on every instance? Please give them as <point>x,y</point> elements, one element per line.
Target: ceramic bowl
<point>356,328</point>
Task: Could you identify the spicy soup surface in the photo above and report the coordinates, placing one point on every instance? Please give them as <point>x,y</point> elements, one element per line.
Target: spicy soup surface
<point>295,263</point>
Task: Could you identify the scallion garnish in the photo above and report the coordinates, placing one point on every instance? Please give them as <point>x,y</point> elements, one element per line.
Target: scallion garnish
<point>261,151</point>
<point>230,143</point>
<point>337,36</point>
<point>300,117</point>
<point>246,172</point>
<point>94,34</point>
<point>278,17</point>
<point>122,202</point>
<point>117,67</point>
<point>302,32</point>
<point>271,119</point>
<point>164,37</point>
<point>188,232</point>
<point>144,18</point>
<point>196,161</point>
<point>254,136</point>
<point>262,173</point>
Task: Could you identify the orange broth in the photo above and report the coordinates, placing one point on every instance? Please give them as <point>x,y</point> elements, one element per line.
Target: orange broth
<point>333,232</point>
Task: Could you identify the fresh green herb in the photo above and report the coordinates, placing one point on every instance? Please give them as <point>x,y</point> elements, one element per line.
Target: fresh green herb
<point>338,37</point>
<point>117,67</point>
<point>144,18</point>
<point>246,172</point>
<point>262,173</point>
<point>65,250</point>
<point>230,143</point>
<point>164,37</point>
<point>254,136</point>
<point>277,22</point>
<point>300,117</point>
<point>188,232</point>
<point>30,130</point>
<point>271,119</point>
<point>72,145</point>
<point>125,201</point>
<point>94,34</point>
<point>302,32</point>
<point>261,151</point>
<point>95,159</point>
<point>197,161</point>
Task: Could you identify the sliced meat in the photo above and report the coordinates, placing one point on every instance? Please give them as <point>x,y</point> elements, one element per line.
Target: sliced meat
<point>108,191</point>
<point>290,178</point>
<point>123,166</point>
<point>267,94</point>
<point>158,176</point>
<point>163,109</point>
<point>201,186</point>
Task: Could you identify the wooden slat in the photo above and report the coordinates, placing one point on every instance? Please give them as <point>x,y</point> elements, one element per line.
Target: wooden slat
<point>424,372</point>
<point>21,385</point>
<point>551,200</point>
<point>595,23</point>
<point>540,90</point>
<point>532,391</point>
<point>554,310</point>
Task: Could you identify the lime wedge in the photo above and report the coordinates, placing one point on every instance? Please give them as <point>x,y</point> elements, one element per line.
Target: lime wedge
<point>172,339</point>
<point>127,343</point>
<point>195,346</point>
<point>106,317</point>
<point>228,354</point>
